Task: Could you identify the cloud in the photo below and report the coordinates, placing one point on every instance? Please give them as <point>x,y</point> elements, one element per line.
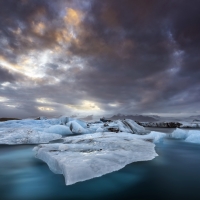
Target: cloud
<point>140,56</point>
<point>6,76</point>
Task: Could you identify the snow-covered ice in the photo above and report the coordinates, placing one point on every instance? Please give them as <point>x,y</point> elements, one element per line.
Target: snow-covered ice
<point>26,136</point>
<point>84,157</point>
<point>130,126</point>
<point>29,123</point>
<point>126,125</point>
<point>59,129</point>
<point>154,136</point>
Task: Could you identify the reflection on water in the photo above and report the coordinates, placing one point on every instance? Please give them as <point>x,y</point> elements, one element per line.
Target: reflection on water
<point>174,174</point>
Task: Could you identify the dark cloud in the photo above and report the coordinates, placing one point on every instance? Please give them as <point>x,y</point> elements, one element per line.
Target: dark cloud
<point>134,47</point>
<point>6,76</point>
<point>127,56</point>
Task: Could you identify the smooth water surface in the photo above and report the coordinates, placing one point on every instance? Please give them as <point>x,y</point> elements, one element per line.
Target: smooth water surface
<point>174,174</point>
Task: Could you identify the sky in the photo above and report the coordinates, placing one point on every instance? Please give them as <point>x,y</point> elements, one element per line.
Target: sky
<point>99,57</point>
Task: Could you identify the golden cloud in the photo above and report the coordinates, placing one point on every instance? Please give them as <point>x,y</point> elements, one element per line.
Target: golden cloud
<point>49,109</point>
<point>86,105</point>
<point>72,17</point>
<point>39,28</point>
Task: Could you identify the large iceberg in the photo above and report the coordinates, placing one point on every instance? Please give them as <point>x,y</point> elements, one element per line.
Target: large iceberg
<point>26,136</point>
<point>84,157</point>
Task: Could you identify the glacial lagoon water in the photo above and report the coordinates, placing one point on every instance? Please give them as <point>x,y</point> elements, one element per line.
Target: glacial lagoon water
<point>174,174</point>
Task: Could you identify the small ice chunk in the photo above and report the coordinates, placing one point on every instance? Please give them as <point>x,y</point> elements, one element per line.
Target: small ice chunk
<point>179,134</point>
<point>155,136</point>
<point>67,121</point>
<point>64,120</point>
<point>193,138</point>
<point>77,128</point>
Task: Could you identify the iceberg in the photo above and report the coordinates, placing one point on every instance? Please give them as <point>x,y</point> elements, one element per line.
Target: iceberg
<point>29,123</point>
<point>179,134</point>
<point>153,136</point>
<point>26,136</point>
<point>59,129</point>
<point>193,136</point>
<point>133,127</point>
<point>77,128</point>
<point>126,125</point>
<point>66,121</point>
<point>84,157</point>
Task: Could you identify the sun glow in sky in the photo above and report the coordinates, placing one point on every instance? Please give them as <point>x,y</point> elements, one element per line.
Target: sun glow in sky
<point>3,99</point>
<point>85,106</point>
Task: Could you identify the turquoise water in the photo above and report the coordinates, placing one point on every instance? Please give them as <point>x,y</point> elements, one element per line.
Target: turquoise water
<point>174,174</point>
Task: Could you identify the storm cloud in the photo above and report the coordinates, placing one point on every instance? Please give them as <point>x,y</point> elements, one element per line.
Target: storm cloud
<point>99,57</point>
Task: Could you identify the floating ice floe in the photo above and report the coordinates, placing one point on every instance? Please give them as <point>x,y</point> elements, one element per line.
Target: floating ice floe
<point>26,136</point>
<point>38,125</point>
<point>192,136</point>
<point>84,157</point>
<point>153,136</point>
<point>179,134</point>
